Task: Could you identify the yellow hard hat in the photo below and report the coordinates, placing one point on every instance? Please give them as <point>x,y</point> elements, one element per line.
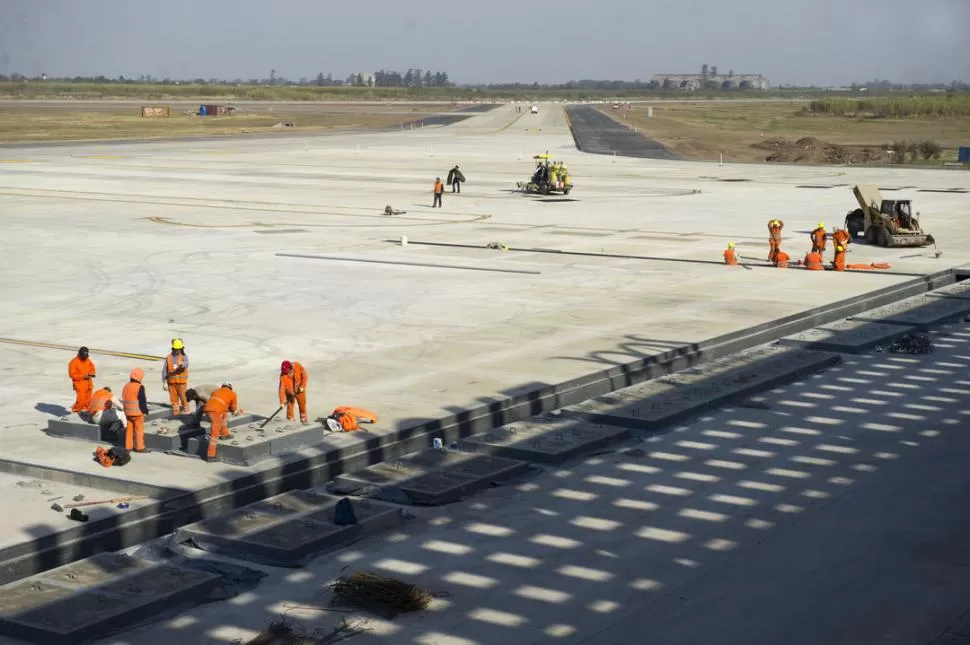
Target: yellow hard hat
<point>840,248</point>
<point>177,343</point>
<point>821,224</point>
<point>730,245</point>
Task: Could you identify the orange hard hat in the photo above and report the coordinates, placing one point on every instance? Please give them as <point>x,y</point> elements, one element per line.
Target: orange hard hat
<point>137,374</point>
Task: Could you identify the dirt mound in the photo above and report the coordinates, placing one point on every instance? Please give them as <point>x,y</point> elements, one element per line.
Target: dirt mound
<point>815,151</point>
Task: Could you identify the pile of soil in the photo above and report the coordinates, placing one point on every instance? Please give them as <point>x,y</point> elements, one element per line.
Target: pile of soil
<point>815,151</point>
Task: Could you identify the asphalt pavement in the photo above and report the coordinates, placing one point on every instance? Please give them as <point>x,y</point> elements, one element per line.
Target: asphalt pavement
<point>596,133</point>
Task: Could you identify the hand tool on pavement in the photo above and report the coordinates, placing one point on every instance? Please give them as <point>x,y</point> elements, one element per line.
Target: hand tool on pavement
<point>278,410</point>
<point>117,500</point>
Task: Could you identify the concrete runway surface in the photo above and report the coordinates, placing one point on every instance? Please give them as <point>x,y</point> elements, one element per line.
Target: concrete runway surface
<point>125,247</point>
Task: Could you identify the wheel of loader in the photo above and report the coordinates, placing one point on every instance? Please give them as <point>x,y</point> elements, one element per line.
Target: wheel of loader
<point>883,238</point>
<point>855,223</point>
<point>871,233</point>
<point>565,191</point>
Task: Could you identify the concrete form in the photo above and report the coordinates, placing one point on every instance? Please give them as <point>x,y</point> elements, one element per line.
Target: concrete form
<point>852,336</point>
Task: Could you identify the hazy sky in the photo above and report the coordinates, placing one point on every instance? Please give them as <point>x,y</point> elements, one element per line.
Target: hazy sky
<point>805,42</point>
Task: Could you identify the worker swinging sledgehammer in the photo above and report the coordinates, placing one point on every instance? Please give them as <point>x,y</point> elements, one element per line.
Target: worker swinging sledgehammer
<point>730,257</point>
<point>221,402</point>
<point>775,227</point>
<point>293,384</point>
<point>82,372</point>
<point>819,237</point>
<point>175,376</point>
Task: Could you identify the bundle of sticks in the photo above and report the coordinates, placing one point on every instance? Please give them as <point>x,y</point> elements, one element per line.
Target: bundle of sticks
<point>369,591</point>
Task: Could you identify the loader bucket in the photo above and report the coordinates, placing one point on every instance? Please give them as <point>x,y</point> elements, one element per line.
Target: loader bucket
<point>910,240</point>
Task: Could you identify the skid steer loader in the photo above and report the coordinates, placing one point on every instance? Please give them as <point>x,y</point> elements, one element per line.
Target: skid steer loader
<point>885,222</point>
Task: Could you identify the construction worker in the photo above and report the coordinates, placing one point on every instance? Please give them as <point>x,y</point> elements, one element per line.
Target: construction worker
<point>819,237</point>
<point>841,237</point>
<point>293,382</point>
<point>455,177</point>
<point>107,412</point>
<point>221,402</point>
<point>136,407</point>
<point>439,188</point>
<point>730,257</point>
<point>200,394</point>
<point>774,237</point>
<point>82,373</point>
<point>813,261</point>
<point>838,264</point>
<point>175,375</point>
<point>781,259</point>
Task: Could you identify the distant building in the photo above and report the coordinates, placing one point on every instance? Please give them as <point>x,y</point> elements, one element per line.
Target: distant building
<point>367,79</point>
<point>709,78</point>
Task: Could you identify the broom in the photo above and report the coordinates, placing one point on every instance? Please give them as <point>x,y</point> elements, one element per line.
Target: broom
<point>369,591</point>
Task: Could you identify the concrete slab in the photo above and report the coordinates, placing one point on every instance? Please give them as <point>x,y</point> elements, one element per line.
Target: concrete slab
<point>249,446</point>
<point>429,477</point>
<point>848,336</point>
<point>97,596</point>
<point>289,530</point>
<point>922,312</point>
<point>548,439</point>
<point>956,290</point>
<point>658,403</point>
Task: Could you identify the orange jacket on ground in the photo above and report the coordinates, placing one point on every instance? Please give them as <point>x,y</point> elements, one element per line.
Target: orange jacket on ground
<point>100,401</point>
<point>291,385</point>
<point>222,400</point>
<point>813,262</point>
<point>730,257</point>
<point>782,259</point>
<point>133,400</point>
<point>170,370</point>
<point>79,370</point>
<point>819,237</point>
<point>349,418</point>
<point>438,188</point>
<point>839,262</point>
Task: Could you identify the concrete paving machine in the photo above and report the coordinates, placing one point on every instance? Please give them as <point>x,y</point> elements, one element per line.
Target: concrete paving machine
<point>549,177</point>
<point>885,222</point>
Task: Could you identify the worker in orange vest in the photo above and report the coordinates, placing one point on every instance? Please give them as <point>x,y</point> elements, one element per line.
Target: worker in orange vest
<point>838,263</point>
<point>774,237</point>
<point>730,257</point>
<point>819,237</point>
<point>136,407</point>
<point>106,412</point>
<point>781,259</point>
<point>813,261</point>
<point>82,373</point>
<point>439,189</point>
<point>175,376</point>
<point>222,401</point>
<point>841,237</point>
<point>293,383</point>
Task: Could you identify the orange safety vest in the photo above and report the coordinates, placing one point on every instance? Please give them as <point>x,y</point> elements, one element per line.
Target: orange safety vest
<point>813,262</point>
<point>222,400</point>
<point>174,378</point>
<point>839,262</point>
<point>781,259</point>
<point>730,257</point>
<point>101,400</point>
<point>290,384</point>
<point>438,188</point>
<point>129,399</point>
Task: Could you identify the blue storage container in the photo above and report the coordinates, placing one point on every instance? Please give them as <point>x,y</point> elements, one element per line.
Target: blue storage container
<point>964,154</point>
<point>203,111</point>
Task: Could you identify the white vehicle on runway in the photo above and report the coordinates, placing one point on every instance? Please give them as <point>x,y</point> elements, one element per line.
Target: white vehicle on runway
<point>535,109</point>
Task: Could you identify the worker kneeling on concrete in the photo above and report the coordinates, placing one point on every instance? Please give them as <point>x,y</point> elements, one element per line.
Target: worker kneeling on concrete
<point>200,394</point>
<point>348,419</point>
<point>814,261</point>
<point>219,404</point>
<point>730,257</point>
<point>136,407</point>
<point>293,382</point>
<point>107,412</point>
<point>781,259</point>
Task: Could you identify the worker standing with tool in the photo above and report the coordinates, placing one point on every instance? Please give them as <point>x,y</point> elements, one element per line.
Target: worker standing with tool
<point>838,263</point>
<point>819,237</point>
<point>455,178</point>
<point>175,376</point>
<point>730,257</point>
<point>136,407</point>
<point>293,383</point>
<point>200,394</point>
<point>774,237</point>
<point>82,372</point>
<point>221,402</point>
<point>439,189</point>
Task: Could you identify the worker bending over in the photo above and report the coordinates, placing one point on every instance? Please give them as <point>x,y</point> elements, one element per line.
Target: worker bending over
<point>219,404</point>
<point>774,237</point>
<point>439,188</point>
<point>781,259</point>
<point>819,237</point>
<point>838,263</point>
<point>293,382</point>
<point>200,394</point>
<point>107,412</point>
<point>175,375</point>
<point>841,237</point>
<point>730,257</point>
<point>82,373</point>
<point>813,261</point>
<point>136,407</point>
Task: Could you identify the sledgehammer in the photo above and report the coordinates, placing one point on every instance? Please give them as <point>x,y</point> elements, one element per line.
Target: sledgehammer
<point>117,500</point>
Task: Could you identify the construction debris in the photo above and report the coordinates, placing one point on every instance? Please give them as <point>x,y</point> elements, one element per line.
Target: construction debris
<point>389,210</point>
<point>915,343</point>
<point>812,150</point>
<point>384,595</point>
<point>284,631</point>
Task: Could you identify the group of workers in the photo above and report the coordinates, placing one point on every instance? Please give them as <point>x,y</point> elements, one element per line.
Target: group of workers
<point>814,259</point>
<point>455,179</point>
<point>111,414</point>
